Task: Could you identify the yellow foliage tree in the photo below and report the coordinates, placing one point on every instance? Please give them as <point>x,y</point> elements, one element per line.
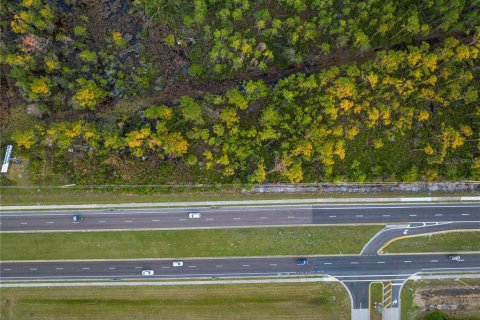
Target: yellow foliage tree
<point>423,115</point>
<point>294,173</point>
<point>428,149</point>
<point>352,132</point>
<point>175,144</point>
<point>340,149</point>
<point>377,143</point>
<point>25,139</point>
<point>259,175</point>
<point>41,86</point>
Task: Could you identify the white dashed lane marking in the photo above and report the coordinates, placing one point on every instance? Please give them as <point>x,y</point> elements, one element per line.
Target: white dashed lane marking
<point>6,269</point>
<point>412,215</point>
<point>438,214</point>
<point>192,266</point>
<point>291,217</point>
<point>273,264</point>
<point>85,268</point>
<point>23,222</point>
<point>219,266</point>
<point>245,265</point>
<point>50,222</point>
<point>33,269</point>
<point>236,218</point>
<point>128,220</point>
<point>465,214</point>
<point>112,268</point>
<point>102,221</point>
<point>327,263</point>
<point>58,268</point>
<point>332,216</point>
<point>407,261</point>
<point>353,262</point>
<point>385,215</point>
<point>165,267</point>
<point>380,261</point>
<point>433,260</point>
<point>155,220</point>
<point>359,215</point>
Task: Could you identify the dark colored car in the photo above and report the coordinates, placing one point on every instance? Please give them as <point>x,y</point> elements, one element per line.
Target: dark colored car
<point>77,218</point>
<point>302,261</point>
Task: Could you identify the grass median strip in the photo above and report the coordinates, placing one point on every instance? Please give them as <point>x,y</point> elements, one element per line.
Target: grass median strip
<point>250,301</point>
<point>376,301</point>
<point>441,242</point>
<point>186,243</point>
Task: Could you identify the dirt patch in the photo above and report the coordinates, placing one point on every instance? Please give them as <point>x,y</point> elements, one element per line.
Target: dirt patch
<point>454,301</point>
<point>105,17</point>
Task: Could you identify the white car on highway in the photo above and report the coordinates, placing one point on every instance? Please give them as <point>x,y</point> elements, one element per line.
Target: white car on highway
<point>148,272</point>
<point>194,215</point>
<point>177,263</point>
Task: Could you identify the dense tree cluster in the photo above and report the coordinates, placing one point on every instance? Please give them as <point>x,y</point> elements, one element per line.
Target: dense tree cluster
<point>58,65</point>
<point>243,35</point>
<point>404,115</point>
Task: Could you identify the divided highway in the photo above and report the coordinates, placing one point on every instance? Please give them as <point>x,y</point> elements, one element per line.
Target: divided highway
<point>356,272</point>
<point>211,217</point>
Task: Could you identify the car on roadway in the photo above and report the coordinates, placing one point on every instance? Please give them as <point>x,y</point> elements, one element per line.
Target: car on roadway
<point>177,263</point>
<point>77,218</point>
<point>454,258</point>
<point>194,215</point>
<point>302,261</point>
<point>148,272</point>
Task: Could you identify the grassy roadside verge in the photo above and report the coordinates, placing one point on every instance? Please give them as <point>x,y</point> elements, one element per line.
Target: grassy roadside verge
<point>186,243</point>
<point>56,195</point>
<point>417,296</point>
<point>441,242</point>
<point>253,301</point>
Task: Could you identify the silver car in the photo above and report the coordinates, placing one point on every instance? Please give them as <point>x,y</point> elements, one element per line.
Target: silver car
<point>148,272</point>
<point>194,215</point>
<point>177,263</point>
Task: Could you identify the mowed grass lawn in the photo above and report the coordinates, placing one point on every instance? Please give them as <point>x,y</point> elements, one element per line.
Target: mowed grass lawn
<point>185,243</point>
<point>441,242</point>
<point>246,301</point>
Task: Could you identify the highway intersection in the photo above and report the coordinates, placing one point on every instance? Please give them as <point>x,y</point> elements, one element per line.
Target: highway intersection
<point>356,272</point>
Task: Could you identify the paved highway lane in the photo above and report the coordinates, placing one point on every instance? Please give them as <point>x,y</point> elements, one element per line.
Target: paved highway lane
<point>155,218</point>
<point>397,213</point>
<point>381,239</point>
<point>345,268</point>
<point>165,218</point>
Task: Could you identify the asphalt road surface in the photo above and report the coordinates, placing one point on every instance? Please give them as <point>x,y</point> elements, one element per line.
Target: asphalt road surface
<point>351,268</point>
<point>381,239</point>
<point>165,218</point>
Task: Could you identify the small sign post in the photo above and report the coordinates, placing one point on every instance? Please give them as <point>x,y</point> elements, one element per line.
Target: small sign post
<point>6,159</point>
